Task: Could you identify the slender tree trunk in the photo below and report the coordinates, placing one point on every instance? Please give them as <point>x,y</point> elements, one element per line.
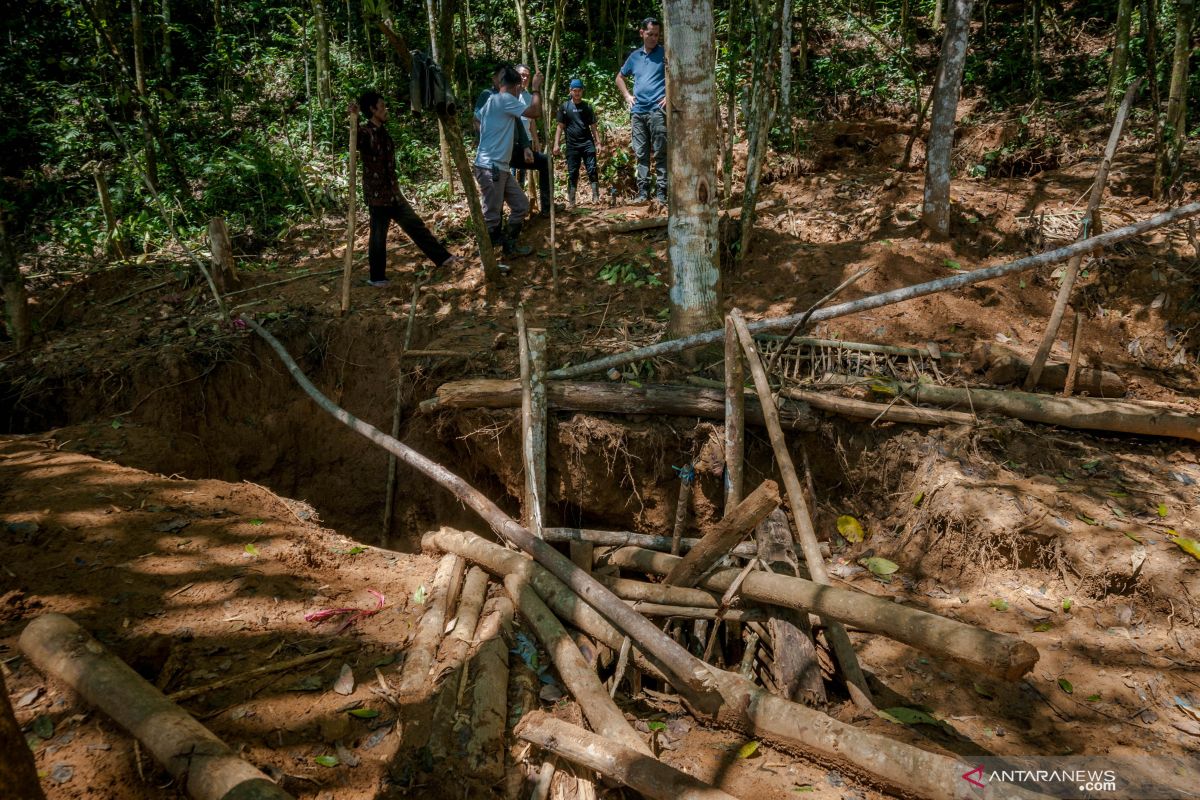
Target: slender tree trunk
<point>936,211</point>
<point>16,299</point>
<point>167,63</point>
<point>1120,56</point>
<point>307,83</point>
<point>758,128</point>
<point>435,52</point>
<point>139,77</point>
<point>937,14</point>
<point>785,62</point>
<point>731,90</point>
<point>1150,22</point>
<point>324,82</point>
<point>1177,97</point>
<point>1035,48</point>
<point>523,23</point>
<point>222,64</point>
<point>692,165</point>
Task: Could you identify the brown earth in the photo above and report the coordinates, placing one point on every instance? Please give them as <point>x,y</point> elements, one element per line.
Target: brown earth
<point>997,525</point>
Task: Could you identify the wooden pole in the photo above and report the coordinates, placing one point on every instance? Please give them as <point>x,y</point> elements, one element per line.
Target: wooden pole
<point>532,347</point>
<point>187,750</point>
<point>1091,218</point>
<point>735,415</point>
<point>686,477</point>
<point>548,116</point>
<point>599,709</point>
<point>1073,368</point>
<point>636,769</point>
<point>689,679</point>
<point>489,694</point>
<point>956,281</point>
<point>422,650</point>
<point>351,212</point>
<point>389,497</point>
<point>838,638</point>
<point>622,538</point>
<point>729,531</point>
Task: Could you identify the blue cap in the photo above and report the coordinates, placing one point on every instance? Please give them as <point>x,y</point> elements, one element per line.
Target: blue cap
<point>576,83</point>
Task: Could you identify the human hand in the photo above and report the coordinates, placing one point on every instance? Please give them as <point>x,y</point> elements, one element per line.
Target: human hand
<point>663,103</point>
<point>557,150</point>
<point>535,83</point>
<point>528,156</point>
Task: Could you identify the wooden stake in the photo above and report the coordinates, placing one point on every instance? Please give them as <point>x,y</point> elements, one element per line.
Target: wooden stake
<point>489,668</point>
<point>838,638</point>
<point>185,748</point>
<point>686,476</point>
<point>224,269</point>
<point>716,543</point>
<point>389,497</point>
<point>1073,369</point>
<point>1091,216</point>
<point>532,345</point>
<point>351,212</point>
<point>601,712</point>
<point>637,770</point>
<point>735,419</point>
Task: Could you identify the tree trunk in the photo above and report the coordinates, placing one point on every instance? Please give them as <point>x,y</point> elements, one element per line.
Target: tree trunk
<point>802,56</point>
<point>112,244</point>
<point>1035,48</point>
<point>224,271</point>
<point>937,14</point>
<point>731,90</point>
<point>139,75</point>
<point>1150,21</point>
<point>324,83</point>
<point>1176,125</point>
<point>692,165</point>
<point>1120,57</point>
<point>936,212</point>
<point>785,62</point>
<point>18,771</point>
<point>167,65</point>
<point>16,300</point>
<point>523,23</point>
<point>758,126</point>
<point>435,53</point>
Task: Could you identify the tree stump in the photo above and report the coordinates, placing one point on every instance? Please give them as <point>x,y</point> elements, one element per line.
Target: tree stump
<point>223,269</point>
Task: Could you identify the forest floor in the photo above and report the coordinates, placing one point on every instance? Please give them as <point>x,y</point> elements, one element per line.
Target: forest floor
<point>137,425</point>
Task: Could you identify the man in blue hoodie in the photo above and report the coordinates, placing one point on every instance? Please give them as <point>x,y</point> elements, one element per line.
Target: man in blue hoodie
<point>647,108</point>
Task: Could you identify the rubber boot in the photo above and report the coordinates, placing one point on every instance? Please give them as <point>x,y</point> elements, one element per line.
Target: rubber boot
<point>595,193</point>
<point>511,248</point>
<point>571,195</point>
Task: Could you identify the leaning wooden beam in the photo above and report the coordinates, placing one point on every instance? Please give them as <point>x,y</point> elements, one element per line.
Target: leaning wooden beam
<point>753,711</point>
<point>862,409</point>
<point>607,398</point>
<point>756,614</point>
<point>185,748</point>
<point>421,651</point>
<point>997,653</point>
<point>1092,215</point>
<point>489,695</point>
<point>956,281</point>
<point>806,534</point>
<point>690,681</point>
<point>621,538</point>
<point>1081,413</point>
<point>583,684</point>
<point>613,760</point>
<point>729,531</point>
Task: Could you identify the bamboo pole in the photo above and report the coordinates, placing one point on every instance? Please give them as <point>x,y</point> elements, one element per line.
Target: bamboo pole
<point>351,212</point>
<point>689,679</point>
<point>805,532</point>
<point>207,766</point>
<point>1091,217</point>
<point>956,281</point>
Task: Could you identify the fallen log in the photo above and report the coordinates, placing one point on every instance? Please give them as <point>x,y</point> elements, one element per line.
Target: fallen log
<point>638,770</point>
<point>870,302</point>
<point>621,538</point>
<point>599,709</point>
<point>1004,366</point>
<point>421,651</point>
<point>806,534</point>
<point>489,696</point>
<point>608,398</point>
<point>452,672</point>
<point>689,680</point>
<point>1080,413</point>
<point>997,653</point>
<point>756,614</point>
<point>746,707</point>
<point>208,767</point>
<point>729,531</point>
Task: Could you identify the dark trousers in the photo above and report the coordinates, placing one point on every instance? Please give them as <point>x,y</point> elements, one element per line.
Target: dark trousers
<point>401,213</point>
<point>650,137</point>
<point>542,165</point>
<point>577,154</point>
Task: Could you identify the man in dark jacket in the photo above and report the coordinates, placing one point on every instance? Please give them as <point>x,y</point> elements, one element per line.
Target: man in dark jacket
<point>382,192</point>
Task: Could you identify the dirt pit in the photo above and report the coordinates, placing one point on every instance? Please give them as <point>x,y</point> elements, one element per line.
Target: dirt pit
<point>166,484</point>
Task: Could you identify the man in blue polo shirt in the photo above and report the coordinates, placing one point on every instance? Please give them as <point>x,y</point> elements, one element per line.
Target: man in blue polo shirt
<point>647,107</point>
<point>498,121</point>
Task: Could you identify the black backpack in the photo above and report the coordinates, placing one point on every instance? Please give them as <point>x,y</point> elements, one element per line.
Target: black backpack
<point>428,88</point>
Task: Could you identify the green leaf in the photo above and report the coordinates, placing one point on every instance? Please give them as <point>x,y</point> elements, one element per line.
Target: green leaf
<point>256,522</point>
<point>908,716</point>
<point>850,528</point>
<point>1093,698</point>
<point>326,761</point>
<point>747,750</point>
<point>353,551</point>
<point>879,565</point>
<point>918,499</point>
<point>1066,686</point>
<point>1090,465</point>
<point>952,264</point>
<point>252,550</point>
<point>982,691</point>
<point>1086,518</point>
<point>1189,546</point>
<point>1163,510</point>
<point>1000,604</point>
<point>656,725</point>
<point>1022,283</point>
<point>116,424</point>
<point>364,713</point>
<point>1131,536</point>
<point>1066,604</point>
<point>43,726</point>
<point>419,595</point>
<point>804,787</point>
<point>1117,493</point>
<point>1042,627</point>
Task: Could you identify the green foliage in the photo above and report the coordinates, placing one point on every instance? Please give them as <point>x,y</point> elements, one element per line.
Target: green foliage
<point>629,273</point>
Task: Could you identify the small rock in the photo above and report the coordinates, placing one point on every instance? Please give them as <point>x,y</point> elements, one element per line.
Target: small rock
<point>835,779</point>
<point>61,773</point>
<point>28,698</point>
<point>550,693</point>
<point>345,755</point>
<point>345,681</point>
<point>375,738</point>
